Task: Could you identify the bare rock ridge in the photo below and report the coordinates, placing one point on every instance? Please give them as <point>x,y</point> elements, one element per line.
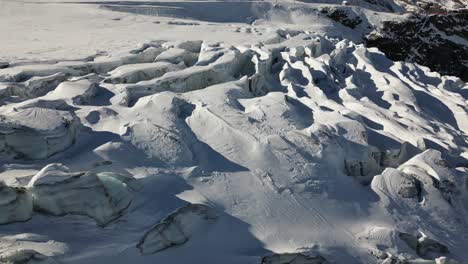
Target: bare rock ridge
<point>438,41</point>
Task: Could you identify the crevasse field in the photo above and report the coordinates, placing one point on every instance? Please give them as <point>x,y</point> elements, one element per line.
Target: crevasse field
<point>229,132</point>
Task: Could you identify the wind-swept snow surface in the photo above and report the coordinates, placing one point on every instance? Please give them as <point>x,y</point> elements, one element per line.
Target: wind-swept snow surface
<point>295,147</point>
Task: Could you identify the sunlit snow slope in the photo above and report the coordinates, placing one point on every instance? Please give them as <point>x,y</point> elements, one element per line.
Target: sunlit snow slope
<point>298,145</point>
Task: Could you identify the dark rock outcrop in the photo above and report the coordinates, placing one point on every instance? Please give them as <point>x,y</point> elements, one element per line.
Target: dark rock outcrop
<point>423,246</point>
<point>437,41</point>
<point>345,17</point>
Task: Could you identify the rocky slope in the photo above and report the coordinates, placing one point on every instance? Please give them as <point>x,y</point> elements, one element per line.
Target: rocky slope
<point>438,41</point>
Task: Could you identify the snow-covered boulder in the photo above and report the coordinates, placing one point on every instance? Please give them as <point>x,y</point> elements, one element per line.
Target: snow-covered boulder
<point>399,184</point>
<point>293,258</point>
<point>162,135</point>
<point>57,191</point>
<point>37,133</point>
<point>176,228</point>
<point>15,204</point>
<point>25,256</point>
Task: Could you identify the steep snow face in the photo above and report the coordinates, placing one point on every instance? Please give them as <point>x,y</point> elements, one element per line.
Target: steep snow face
<point>37,133</point>
<point>177,228</point>
<point>57,191</point>
<point>15,205</point>
<point>303,148</point>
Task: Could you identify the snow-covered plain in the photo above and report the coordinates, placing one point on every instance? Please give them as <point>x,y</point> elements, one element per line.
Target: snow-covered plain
<point>224,132</point>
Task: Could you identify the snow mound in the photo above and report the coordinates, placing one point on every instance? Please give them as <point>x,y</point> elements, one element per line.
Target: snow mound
<point>57,191</point>
<point>37,133</point>
<point>25,256</point>
<point>177,228</point>
<point>285,136</point>
<point>163,136</point>
<point>133,73</point>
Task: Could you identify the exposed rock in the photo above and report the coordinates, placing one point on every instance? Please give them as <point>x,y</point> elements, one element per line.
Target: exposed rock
<point>15,204</point>
<point>342,16</point>
<point>358,168</point>
<point>447,188</point>
<point>37,133</point>
<point>293,258</point>
<point>410,188</point>
<point>57,191</point>
<point>387,5</point>
<point>431,6</point>
<point>398,184</point>
<point>437,41</point>
<point>25,256</point>
<point>386,258</point>
<point>176,228</point>
<point>423,246</point>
